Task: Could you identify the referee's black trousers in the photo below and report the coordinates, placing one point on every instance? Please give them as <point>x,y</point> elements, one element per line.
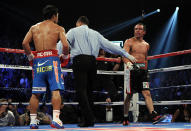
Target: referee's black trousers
<point>84,69</point>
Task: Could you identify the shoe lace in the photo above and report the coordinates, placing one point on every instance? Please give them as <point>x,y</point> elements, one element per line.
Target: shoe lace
<point>156,118</point>
<point>37,121</point>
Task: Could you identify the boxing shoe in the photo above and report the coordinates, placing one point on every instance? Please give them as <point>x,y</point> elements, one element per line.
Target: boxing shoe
<point>156,118</point>
<point>125,123</point>
<point>35,124</point>
<point>57,124</point>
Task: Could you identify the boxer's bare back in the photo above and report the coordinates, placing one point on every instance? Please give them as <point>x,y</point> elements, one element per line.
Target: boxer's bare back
<point>45,35</point>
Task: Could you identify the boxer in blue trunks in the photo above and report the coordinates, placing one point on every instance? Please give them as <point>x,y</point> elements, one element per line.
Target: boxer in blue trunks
<point>46,69</point>
<point>46,63</point>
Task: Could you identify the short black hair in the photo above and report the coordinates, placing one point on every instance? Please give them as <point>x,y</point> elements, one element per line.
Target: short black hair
<point>83,19</point>
<point>3,101</point>
<point>48,11</point>
<point>144,26</point>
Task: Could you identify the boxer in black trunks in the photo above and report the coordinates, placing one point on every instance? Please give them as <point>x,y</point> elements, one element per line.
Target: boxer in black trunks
<point>138,47</point>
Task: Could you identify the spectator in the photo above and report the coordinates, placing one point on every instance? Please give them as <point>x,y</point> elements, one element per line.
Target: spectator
<point>24,119</point>
<point>13,108</point>
<point>24,82</point>
<point>42,117</point>
<point>44,109</point>
<point>104,82</point>
<point>182,114</point>
<point>7,117</point>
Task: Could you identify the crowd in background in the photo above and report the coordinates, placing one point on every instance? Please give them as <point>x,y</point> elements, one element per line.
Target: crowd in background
<point>21,80</point>
<point>16,85</point>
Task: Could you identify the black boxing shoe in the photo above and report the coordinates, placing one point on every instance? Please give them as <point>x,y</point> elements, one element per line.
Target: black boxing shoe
<point>156,118</point>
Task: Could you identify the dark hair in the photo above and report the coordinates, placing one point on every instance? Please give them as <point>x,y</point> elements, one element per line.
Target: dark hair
<point>3,101</point>
<point>144,26</point>
<point>48,11</point>
<point>83,19</point>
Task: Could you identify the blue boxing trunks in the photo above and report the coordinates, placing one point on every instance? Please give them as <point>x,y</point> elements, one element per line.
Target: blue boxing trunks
<point>46,71</point>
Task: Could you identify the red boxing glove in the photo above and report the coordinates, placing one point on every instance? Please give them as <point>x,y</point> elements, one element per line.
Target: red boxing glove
<point>31,63</point>
<point>64,59</point>
<point>30,58</point>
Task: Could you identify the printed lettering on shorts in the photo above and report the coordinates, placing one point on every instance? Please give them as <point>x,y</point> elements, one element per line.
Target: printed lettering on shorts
<point>145,85</point>
<point>44,69</point>
<point>44,54</point>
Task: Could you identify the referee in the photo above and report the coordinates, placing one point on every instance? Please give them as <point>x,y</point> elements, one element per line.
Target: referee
<point>85,44</point>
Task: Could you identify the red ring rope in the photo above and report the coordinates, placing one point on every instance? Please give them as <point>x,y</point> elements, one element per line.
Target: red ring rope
<point>169,54</point>
<point>8,50</point>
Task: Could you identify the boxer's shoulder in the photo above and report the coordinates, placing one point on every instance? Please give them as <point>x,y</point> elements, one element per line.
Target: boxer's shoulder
<point>60,28</point>
<point>128,42</point>
<point>35,27</point>
<point>146,43</point>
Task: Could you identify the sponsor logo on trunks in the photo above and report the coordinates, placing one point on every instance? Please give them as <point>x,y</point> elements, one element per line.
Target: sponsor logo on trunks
<point>140,64</point>
<point>145,85</point>
<point>39,88</point>
<point>44,69</point>
<point>40,64</point>
<point>47,53</point>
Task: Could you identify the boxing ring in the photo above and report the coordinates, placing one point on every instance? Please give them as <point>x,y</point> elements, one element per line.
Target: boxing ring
<point>110,127</point>
<point>135,102</point>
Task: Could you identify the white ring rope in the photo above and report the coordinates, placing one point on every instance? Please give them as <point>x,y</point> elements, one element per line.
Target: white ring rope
<point>101,92</point>
<point>178,86</point>
<point>175,68</point>
<point>63,69</point>
<point>178,102</point>
<point>70,103</point>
